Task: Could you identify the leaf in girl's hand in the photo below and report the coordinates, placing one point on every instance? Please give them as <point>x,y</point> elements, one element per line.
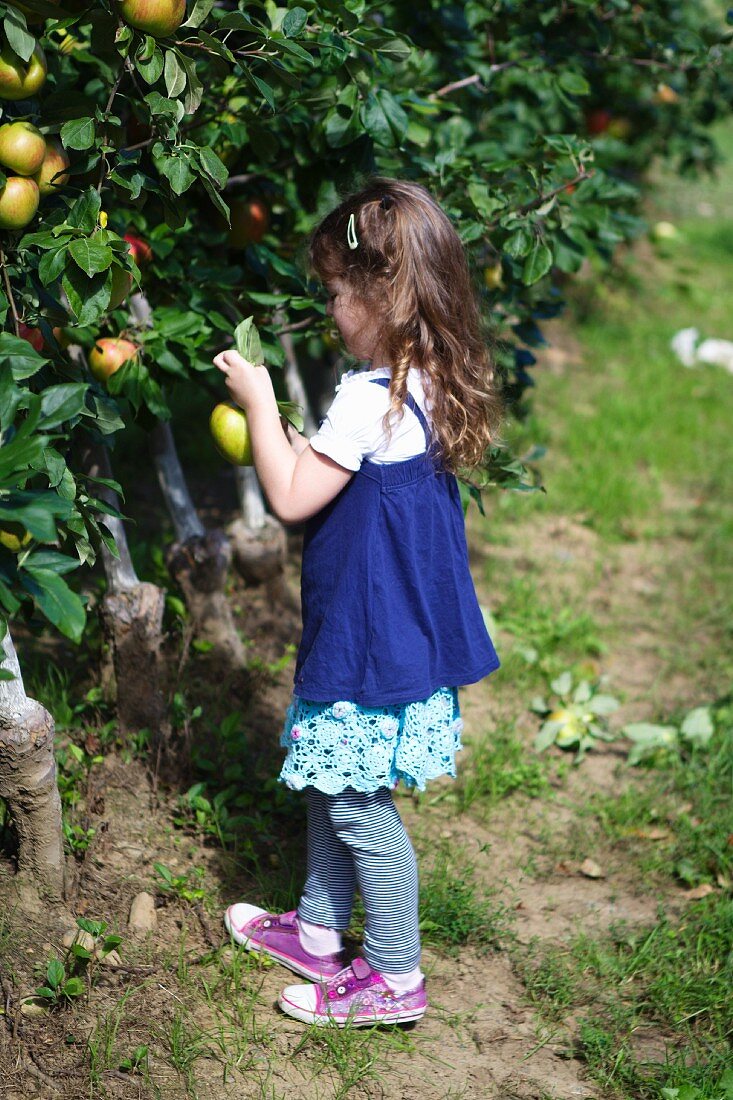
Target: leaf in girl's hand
<point>247,342</point>
<point>292,413</point>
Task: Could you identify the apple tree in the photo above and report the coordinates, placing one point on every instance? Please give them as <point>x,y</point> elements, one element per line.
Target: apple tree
<point>189,148</point>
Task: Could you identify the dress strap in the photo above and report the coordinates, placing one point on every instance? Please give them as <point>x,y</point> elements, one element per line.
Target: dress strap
<point>413,405</point>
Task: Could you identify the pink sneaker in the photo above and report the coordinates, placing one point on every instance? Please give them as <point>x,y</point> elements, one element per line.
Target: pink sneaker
<point>357,997</point>
<point>276,935</point>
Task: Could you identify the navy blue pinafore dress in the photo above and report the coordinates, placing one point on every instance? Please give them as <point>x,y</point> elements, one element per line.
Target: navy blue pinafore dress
<point>391,628</point>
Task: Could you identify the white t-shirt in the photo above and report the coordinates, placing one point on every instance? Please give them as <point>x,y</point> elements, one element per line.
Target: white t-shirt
<point>353,428</point>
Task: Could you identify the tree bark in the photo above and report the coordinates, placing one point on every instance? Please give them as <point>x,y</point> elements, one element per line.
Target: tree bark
<point>258,539</point>
<point>199,560</point>
<point>132,625</point>
<point>28,778</point>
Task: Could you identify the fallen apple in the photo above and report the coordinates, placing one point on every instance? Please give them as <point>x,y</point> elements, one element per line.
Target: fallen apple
<point>109,353</point>
<point>53,171</point>
<point>664,231</point>
<point>20,79</point>
<point>159,18</point>
<point>229,429</point>
<point>19,200</point>
<point>22,147</point>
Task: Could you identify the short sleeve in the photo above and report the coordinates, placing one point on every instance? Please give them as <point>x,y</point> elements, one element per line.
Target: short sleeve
<point>352,428</point>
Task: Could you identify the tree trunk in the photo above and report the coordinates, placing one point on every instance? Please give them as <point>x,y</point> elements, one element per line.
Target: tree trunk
<point>258,539</point>
<point>28,778</point>
<point>199,560</point>
<point>132,625</point>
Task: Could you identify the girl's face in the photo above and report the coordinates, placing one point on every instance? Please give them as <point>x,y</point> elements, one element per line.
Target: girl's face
<point>353,320</point>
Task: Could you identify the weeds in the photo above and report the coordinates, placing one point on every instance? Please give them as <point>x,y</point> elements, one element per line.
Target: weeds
<point>454,909</point>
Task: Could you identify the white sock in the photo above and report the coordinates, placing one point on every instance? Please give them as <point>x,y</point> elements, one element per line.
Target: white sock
<point>316,939</point>
<point>403,983</point>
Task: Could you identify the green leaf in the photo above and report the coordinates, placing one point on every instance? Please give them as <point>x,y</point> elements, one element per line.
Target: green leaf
<point>91,256</point>
<point>88,298</point>
<point>562,684</point>
<point>194,87</point>
<point>150,68</point>
<point>537,264</point>
<point>213,166</point>
<point>247,342</point>
<point>20,40</point>
<point>84,214</point>
<point>73,987</point>
<point>52,265</point>
<point>574,83</point>
<point>177,171</point>
<point>24,360</point>
<point>199,13</point>
<point>61,402</point>
<point>55,599</point>
<point>174,73</point>
<point>698,726</point>
<point>79,133</point>
<point>292,413</point>
<point>294,22</point>
<point>55,972</point>
<point>383,118</point>
<point>603,704</point>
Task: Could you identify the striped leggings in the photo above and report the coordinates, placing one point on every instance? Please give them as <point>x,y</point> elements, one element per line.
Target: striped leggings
<point>357,838</point>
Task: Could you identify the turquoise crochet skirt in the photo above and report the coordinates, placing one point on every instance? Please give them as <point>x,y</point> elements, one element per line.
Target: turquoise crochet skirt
<point>337,745</point>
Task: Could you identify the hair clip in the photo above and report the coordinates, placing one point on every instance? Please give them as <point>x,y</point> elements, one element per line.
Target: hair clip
<point>351,236</point>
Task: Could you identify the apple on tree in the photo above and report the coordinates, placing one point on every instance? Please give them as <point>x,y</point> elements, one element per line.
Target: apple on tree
<point>22,147</point>
<point>158,18</point>
<point>250,220</point>
<point>140,250</point>
<point>19,200</point>
<point>53,171</point>
<point>21,79</point>
<point>108,355</point>
<point>34,336</point>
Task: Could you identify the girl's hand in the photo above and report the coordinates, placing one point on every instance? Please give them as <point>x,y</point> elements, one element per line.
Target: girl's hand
<point>248,386</point>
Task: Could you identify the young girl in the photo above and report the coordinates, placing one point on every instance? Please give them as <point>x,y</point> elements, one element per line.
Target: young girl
<point>391,623</point>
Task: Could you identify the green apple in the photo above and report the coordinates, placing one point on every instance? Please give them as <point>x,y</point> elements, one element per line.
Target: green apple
<point>156,17</point>
<point>109,353</point>
<point>22,147</point>
<point>19,200</point>
<point>230,432</point>
<point>664,231</point>
<point>12,541</point>
<point>21,79</point>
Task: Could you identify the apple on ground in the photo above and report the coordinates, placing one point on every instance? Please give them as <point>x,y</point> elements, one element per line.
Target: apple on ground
<point>156,17</point>
<point>229,429</point>
<point>664,231</point>
<point>19,200</point>
<point>108,355</point>
<point>22,147</point>
<point>21,79</point>
<point>53,171</point>
<point>250,220</point>
<point>141,251</point>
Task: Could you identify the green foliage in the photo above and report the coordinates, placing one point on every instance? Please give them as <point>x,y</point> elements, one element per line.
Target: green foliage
<point>67,979</point>
<point>181,886</point>
<point>650,740</point>
<point>291,105</point>
<point>454,908</point>
<point>578,720</point>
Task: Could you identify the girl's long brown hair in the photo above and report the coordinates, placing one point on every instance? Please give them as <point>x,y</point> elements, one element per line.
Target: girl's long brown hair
<point>409,268</point>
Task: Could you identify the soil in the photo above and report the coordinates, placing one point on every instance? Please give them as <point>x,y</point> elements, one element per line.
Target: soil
<point>482,1037</point>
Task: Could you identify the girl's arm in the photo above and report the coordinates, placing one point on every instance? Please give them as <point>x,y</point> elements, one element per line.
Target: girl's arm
<point>297,485</point>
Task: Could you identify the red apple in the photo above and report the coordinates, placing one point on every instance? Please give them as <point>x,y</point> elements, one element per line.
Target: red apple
<point>53,172</point>
<point>34,336</point>
<point>141,251</point>
<point>19,200</point>
<point>250,220</point>
<point>21,79</point>
<point>22,147</point>
<point>109,353</point>
<point>157,17</point>
<point>597,120</point>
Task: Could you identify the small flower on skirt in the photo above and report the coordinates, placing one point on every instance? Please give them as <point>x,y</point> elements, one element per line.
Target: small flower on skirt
<point>295,733</point>
<point>389,727</point>
<point>344,740</point>
<point>342,708</point>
